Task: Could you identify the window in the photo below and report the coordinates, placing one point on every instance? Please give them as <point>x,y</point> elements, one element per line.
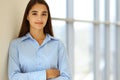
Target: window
<point>83,9</point>
<point>92,28</point>
<point>58,11</point>
<point>57,8</point>
<point>82,53</point>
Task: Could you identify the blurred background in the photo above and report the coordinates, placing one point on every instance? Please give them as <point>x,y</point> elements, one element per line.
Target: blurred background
<point>88,28</point>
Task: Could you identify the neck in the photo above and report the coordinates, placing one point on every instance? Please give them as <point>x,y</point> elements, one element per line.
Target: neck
<point>37,35</point>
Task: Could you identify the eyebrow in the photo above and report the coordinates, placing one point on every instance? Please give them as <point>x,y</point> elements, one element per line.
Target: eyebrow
<point>34,11</point>
<point>45,11</point>
<point>37,11</point>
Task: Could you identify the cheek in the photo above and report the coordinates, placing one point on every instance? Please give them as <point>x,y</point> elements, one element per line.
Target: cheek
<point>31,20</point>
<point>46,19</point>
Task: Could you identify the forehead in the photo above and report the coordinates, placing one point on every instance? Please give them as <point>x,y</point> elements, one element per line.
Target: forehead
<point>39,7</point>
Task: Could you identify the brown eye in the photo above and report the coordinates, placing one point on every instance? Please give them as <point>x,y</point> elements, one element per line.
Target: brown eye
<point>44,14</point>
<point>34,13</point>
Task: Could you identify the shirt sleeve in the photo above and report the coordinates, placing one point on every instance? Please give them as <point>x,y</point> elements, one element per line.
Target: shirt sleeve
<point>14,71</point>
<point>63,64</point>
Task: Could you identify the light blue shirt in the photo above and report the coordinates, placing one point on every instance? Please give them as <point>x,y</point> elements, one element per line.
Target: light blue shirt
<point>29,61</point>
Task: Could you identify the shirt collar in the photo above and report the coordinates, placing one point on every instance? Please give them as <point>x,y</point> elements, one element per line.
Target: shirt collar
<point>48,37</point>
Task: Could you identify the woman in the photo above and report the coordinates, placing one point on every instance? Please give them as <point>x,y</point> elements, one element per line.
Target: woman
<point>36,54</point>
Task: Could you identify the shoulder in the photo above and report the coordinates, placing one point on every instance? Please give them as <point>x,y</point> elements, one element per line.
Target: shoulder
<point>59,42</point>
<point>55,41</point>
<point>16,41</point>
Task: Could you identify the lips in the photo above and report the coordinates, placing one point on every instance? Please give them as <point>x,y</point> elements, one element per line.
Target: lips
<point>38,22</point>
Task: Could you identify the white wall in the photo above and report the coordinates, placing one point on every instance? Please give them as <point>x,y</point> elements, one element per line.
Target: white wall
<point>11,14</point>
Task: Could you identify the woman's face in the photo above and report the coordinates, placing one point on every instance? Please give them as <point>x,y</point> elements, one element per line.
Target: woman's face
<point>38,16</point>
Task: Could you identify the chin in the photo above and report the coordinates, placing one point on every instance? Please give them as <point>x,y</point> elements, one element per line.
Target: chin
<point>39,28</point>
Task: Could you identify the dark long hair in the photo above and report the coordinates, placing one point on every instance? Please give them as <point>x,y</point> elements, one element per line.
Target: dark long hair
<point>25,27</point>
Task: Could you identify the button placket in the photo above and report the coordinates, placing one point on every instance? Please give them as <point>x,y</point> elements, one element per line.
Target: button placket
<point>38,57</point>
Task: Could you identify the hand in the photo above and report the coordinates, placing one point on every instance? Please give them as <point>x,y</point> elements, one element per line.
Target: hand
<point>52,73</point>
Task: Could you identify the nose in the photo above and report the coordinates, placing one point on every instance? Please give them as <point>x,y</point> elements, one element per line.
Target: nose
<point>39,18</point>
